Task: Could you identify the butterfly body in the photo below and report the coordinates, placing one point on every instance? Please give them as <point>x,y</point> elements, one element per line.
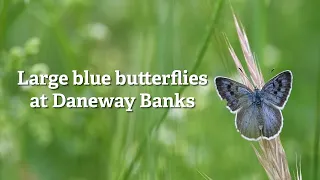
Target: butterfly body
<point>257,97</point>
<point>258,111</point>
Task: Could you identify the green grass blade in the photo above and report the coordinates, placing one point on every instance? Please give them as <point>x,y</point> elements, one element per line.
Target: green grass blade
<point>199,59</point>
<point>317,131</point>
<point>204,175</point>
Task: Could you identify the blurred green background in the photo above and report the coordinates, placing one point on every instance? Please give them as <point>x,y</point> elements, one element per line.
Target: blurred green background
<point>159,36</point>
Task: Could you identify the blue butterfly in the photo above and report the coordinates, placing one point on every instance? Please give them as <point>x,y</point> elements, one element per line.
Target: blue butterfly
<point>258,112</point>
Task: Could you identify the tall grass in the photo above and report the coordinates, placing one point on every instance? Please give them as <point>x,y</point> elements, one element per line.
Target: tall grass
<point>317,130</point>
<point>157,124</point>
<point>271,154</point>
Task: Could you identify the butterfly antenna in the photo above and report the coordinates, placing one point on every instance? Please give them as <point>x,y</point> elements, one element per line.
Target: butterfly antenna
<point>244,74</point>
<point>272,70</point>
<point>259,67</point>
<point>246,77</point>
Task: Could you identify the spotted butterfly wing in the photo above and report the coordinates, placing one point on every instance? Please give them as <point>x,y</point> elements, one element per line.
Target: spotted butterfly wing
<point>277,90</point>
<point>236,94</point>
<point>239,101</point>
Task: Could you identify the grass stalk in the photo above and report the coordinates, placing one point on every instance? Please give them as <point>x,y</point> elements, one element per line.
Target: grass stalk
<point>317,130</point>
<point>155,126</point>
<point>206,177</point>
<point>270,153</point>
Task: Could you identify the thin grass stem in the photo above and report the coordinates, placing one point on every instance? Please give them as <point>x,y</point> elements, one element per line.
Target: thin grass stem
<point>317,130</point>
<point>270,153</point>
<point>199,60</point>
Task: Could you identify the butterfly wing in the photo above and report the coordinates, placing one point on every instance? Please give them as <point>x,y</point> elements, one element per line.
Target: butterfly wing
<point>272,121</point>
<point>249,121</point>
<point>256,121</point>
<point>278,89</point>
<point>236,94</point>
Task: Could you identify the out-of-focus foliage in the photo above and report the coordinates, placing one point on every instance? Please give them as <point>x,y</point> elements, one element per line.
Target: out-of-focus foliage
<point>158,36</point>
